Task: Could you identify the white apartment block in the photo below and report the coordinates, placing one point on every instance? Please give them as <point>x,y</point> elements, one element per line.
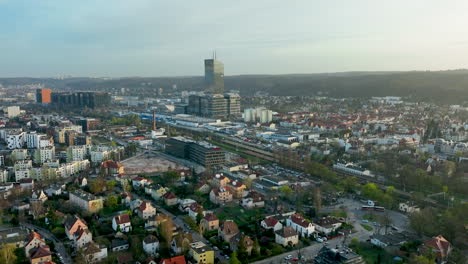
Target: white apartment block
<point>19,154</point>
<point>44,154</point>
<point>3,176</point>
<point>13,111</point>
<point>15,141</point>
<point>76,153</point>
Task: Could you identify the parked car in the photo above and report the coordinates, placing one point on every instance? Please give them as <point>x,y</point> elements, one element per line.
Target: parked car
<point>288,257</point>
<point>318,239</point>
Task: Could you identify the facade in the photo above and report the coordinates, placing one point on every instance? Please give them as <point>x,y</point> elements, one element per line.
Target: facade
<point>228,230</point>
<point>214,76</point>
<point>221,195</point>
<point>150,245</point>
<point>286,237</point>
<point>33,240</point>
<point>260,114</point>
<point>146,210</point>
<point>201,253</point>
<point>44,96</point>
<point>44,154</point>
<point>336,256</point>
<point>82,99</point>
<point>327,225</point>
<point>271,223</point>
<point>408,208</point>
<point>122,223</point>
<point>76,153</point>
<point>86,201</point>
<point>217,106</point>
<point>15,140</point>
<point>203,153</point>
<point>439,246</point>
<point>301,225</point>
<point>209,222</point>
<point>13,111</point>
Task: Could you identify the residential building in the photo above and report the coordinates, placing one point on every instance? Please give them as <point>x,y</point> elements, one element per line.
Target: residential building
<point>253,200</point>
<point>82,99</point>
<point>13,111</point>
<point>15,140</point>
<point>86,201</point>
<point>122,223</point>
<point>301,225</point>
<point>170,199</point>
<point>174,260</point>
<point>439,246</point>
<point>219,180</point>
<point>33,240</point>
<point>327,225</point>
<point>40,255</point>
<point>44,154</point>
<point>146,210</point>
<point>73,224</point>
<point>221,195</point>
<point>94,253</point>
<point>271,223</point>
<point>209,222</point>
<point>119,245</point>
<point>286,237</point>
<point>408,207</point>
<point>180,241</point>
<point>150,245</point>
<point>113,167</point>
<point>76,153</point>
<point>201,253</point>
<point>237,189</point>
<point>228,230</point>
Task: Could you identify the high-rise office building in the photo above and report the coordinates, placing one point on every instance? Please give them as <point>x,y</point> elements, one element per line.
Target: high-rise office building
<point>214,105</point>
<point>43,96</point>
<point>214,75</point>
<point>82,99</point>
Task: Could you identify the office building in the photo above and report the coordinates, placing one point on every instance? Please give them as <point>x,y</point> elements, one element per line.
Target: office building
<point>89,124</point>
<point>82,99</point>
<point>44,96</point>
<point>214,75</point>
<point>202,153</point>
<point>214,105</point>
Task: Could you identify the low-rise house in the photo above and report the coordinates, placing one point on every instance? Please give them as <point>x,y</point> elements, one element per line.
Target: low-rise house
<point>209,222</point>
<point>301,225</point>
<point>126,198</point>
<point>185,204</point>
<point>39,195</point>
<point>170,199</point>
<point>158,191</point>
<point>219,180</point>
<point>201,253</point>
<point>181,242</point>
<point>195,209</point>
<point>221,195</point>
<point>82,237</point>
<point>237,189</point>
<point>391,239</point>
<point>82,181</point>
<point>253,200</point>
<point>40,255</point>
<point>111,167</point>
<point>140,182</point>
<point>94,253</point>
<point>135,204</point>
<point>337,256</point>
<point>86,201</point>
<point>150,245</point>
<point>174,260</point>
<point>119,245</point>
<point>146,210</point>
<point>228,230</point>
<point>286,236</point>
<point>202,188</point>
<point>439,246</point>
<point>53,190</point>
<point>408,207</point>
<point>271,223</point>
<point>72,225</point>
<point>327,225</point>
<point>241,238</point>
<point>33,240</point>
<point>122,223</point>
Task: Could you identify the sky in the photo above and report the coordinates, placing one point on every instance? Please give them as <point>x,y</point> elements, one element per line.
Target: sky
<point>118,38</point>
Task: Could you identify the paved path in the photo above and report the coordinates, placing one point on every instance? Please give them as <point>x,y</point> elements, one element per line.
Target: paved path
<point>59,248</point>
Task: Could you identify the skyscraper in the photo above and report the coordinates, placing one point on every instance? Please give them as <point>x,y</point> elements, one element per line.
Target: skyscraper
<point>214,75</point>
<point>43,96</point>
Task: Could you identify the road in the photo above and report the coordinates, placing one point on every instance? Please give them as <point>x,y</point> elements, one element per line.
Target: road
<point>59,248</point>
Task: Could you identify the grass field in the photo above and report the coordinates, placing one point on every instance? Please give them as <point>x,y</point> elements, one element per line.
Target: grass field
<point>367,227</point>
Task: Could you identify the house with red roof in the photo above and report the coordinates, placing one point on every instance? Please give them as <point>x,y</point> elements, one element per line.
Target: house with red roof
<point>33,240</point>
<point>40,255</point>
<point>170,199</point>
<point>209,222</point>
<point>304,227</point>
<point>439,246</point>
<point>122,223</point>
<point>271,223</point>
<point>221,195</point>
<point>146,210</point>
<point>113,167</point>
<point>174,260</point>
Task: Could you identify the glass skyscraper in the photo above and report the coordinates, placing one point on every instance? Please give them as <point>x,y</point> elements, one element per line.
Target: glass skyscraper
<point>214,76</point>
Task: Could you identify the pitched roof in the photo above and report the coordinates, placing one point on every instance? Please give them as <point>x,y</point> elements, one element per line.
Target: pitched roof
<point>122,219</point>
<point>270,221</point>
<point>32,236</point>
<point>299,220</point>
<point>169,195</point>
<point>224,189</point>
<point>440,244</point>
<point>111,164</point>
<point>286,232</point>
<point>210,217</point>
<point>150,239</point>
<point>40,252</point>
<point>174,260</point>
<point>229,227</point>
<point>145,205</point>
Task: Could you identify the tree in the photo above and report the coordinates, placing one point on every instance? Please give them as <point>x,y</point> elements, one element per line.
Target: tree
<point>171,177</point>
<point>415,259</point>
<point>286,191</point>
<point>256,248</point>
<point>7,254</point>
<point>166,230</point>
<point>112,202</point>
<point>317,200</point>
<point>97,185</point>
<point>199,216</point>
<point>242,250</point>
<point>135,246</point>
<point>234,259</point>
<point>248,183</point>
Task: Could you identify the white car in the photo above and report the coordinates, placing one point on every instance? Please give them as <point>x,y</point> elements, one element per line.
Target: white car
<point>318,239</point>
<point>324,238</point>
<point>288,257</point>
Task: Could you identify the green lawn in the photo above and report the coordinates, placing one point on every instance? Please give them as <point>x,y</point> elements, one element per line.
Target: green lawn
<point>371,253</point>
<point>367,227</point>
<point>340,213</point>
<point>240,215</point>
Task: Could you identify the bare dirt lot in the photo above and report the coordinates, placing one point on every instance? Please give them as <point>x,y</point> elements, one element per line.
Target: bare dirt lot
<point>148,163</point>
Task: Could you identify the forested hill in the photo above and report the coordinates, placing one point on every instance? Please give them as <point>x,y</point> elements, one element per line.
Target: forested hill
<point>440,86</point>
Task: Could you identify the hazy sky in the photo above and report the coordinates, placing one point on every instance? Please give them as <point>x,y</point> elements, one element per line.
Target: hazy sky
<point>172,37</point>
